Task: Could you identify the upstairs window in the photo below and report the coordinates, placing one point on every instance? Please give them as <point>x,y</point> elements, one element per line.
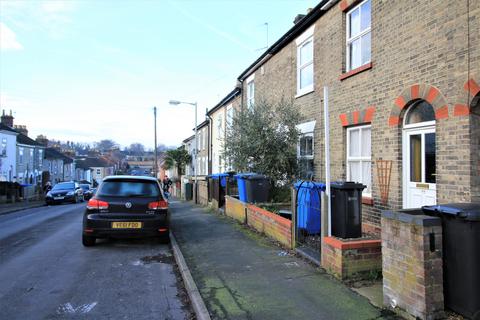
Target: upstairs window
<point>20,155</point>
<point>251,91</point>
<point>305,62</point>
<point>229,116</point>
<point>359,35</point>
<point>4,147</point>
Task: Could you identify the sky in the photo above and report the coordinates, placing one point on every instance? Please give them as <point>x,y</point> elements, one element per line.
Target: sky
<point>89,70</point>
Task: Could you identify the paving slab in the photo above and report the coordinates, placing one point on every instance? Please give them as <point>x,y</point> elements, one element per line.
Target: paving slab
<point>243,275</point>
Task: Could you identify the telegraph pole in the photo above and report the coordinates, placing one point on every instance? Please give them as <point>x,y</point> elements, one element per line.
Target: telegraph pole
<point>156,155</point>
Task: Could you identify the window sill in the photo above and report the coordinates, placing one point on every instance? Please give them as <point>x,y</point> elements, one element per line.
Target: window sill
<point>367,200</point>
<point>303,93</point>
<point>355,71</point>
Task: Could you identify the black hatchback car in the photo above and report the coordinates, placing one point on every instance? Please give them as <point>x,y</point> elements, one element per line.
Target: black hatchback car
<point>126,206</point>
<point>64,192</point>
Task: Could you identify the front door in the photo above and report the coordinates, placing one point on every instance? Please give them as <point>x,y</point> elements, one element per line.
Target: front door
<point>419,167</point>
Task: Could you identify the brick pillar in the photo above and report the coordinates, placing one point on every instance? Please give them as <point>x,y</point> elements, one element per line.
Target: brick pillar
<point>412,263</point>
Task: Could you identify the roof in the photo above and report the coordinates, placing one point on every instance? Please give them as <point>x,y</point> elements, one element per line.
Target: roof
<point>123,177</point>
<point>7,128</point>
<point>229,97</point>
<point>189,139</point>
<point>201,125</point>
<point>87,163</point>
<point>23,139</point>
<point>51,153</point>
<point>288,37</point>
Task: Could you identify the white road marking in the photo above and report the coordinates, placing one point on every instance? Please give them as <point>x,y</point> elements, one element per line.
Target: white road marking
<point>68,308</point>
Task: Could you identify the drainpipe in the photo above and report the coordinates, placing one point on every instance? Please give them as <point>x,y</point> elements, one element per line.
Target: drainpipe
<point>210,143</point>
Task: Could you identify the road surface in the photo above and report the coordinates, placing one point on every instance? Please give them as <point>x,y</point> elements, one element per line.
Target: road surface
<point>46,273</point>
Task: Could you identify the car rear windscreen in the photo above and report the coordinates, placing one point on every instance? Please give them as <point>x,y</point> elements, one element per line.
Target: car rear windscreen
<point>64,186</point>
<point>128,188</point>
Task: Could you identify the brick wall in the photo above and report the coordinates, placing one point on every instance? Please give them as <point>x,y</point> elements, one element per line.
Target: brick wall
<point>402,56</point>
<point>351,259</point>
<point>272,225</point>
<point>236,209</point>
<point>412,265</point>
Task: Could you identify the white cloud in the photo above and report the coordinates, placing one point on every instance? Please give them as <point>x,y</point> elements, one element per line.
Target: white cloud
<point>8,39</point>
<point>49,17</point>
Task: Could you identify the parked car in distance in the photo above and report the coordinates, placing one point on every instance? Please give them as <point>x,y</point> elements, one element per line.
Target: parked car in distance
<point>126,206</point>
<point>64,192</point>
<point>87,191</point>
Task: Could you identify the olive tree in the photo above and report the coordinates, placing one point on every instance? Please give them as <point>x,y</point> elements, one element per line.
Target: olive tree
<point>264,139</point>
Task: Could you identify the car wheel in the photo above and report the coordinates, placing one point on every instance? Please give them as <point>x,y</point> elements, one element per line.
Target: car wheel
<point>88,241</point>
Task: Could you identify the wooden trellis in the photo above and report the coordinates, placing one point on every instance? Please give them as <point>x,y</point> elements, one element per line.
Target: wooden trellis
<point>384,172</point>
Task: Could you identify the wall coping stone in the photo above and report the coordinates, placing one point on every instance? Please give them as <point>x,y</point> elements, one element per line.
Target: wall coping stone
<point>344,244</point>
<point>417,219</point>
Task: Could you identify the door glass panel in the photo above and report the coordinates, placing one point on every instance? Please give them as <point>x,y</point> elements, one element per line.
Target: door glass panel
<point>430,165</point>
<point>416,158</point>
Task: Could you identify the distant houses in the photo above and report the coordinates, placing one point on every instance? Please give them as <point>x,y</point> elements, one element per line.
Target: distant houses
<point>35,162</point>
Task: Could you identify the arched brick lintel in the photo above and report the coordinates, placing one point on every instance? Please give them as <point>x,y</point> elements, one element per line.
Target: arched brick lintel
<point>426,92</point>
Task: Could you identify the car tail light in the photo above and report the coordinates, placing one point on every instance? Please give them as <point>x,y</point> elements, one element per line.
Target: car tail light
<point>97,204</point>
<point>158,205</point>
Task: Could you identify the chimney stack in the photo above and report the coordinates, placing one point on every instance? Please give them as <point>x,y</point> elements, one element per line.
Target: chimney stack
<point>42,140</point>
<point>22,129</point>
<point>7,120</point>
<point>298,18</point>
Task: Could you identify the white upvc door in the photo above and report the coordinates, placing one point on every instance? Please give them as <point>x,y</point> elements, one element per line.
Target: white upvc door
<point>419,167</point>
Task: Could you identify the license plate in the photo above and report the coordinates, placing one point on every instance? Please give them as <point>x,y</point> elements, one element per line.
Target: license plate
<point>126,225</point>
<point>58,198</point>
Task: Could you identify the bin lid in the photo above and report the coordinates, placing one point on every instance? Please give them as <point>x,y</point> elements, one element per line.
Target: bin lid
<point>243,175</point>
<point>466,211</point>
<point>257,176</point>
<point>310,185</point>
<point>347,185</point>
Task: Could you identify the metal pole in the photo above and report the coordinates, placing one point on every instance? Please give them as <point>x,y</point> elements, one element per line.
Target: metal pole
<point>326,119</point>
<point>195,154</point>
<point>156,156</point>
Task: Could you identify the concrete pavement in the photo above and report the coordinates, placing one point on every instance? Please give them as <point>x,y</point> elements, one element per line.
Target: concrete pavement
<point>242,275</point>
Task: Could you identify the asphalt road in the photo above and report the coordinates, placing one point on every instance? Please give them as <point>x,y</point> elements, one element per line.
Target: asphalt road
<point>46,273</point>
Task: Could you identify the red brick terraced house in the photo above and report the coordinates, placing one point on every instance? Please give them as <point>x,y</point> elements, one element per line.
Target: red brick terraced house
<point>404,91</point>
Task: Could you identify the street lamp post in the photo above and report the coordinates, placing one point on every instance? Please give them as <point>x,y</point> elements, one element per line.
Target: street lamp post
<point>195,168</point>
<point>155,170</point>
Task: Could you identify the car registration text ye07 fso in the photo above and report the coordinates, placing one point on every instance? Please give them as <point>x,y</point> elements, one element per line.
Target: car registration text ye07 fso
<point>126,225</point>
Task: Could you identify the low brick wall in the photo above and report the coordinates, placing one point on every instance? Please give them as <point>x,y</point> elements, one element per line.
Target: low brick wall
<point>351,259</point>
<point>272,225</point>
<point>412,263</point>
<point>236,209</point>
<point>203,193</point>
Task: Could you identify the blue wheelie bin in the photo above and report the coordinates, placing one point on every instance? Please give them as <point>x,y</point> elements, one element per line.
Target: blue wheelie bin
<point>242,190</point>
<point>309,205</point>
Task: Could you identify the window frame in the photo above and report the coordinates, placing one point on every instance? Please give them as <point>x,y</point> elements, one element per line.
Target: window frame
<point>349,39</point>
<point>251,91</point>
<point>361,159</point>
<point>304,39</point>
<point>299,154</point>
<point>4,147</point>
